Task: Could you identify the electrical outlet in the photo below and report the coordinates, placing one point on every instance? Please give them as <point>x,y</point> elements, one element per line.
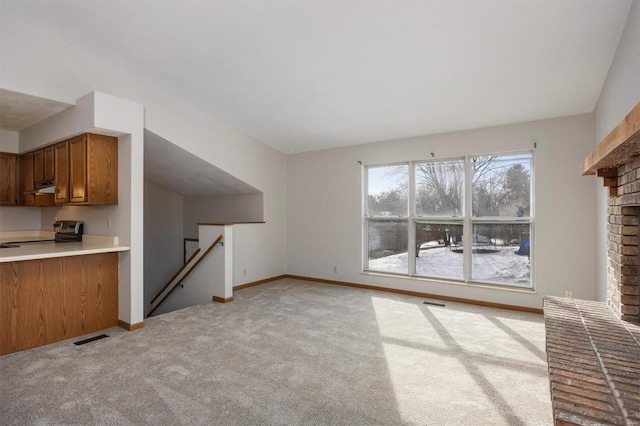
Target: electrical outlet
<point>568,293</point>
<point>335,269</point>
<point>244,272</point>
<point>109,223</point>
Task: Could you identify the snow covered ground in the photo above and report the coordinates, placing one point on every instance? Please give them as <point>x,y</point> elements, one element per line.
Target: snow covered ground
<point>502,266</point>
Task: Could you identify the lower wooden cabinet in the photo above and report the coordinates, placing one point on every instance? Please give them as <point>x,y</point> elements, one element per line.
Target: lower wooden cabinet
<point>48,300</point>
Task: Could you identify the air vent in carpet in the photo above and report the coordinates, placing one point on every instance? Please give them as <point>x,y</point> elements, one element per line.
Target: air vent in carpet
<point>90,339</point>
<point>433,304</point>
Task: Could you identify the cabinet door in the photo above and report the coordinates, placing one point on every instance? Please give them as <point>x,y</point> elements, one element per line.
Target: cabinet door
<point>49,166</point>
<point>78,169</point>
<point>38,165</point>
<point>26,177</point>
<point>102,169</point>
<point>47,300</point>
<point>8,179</point>
<point>61,151</point>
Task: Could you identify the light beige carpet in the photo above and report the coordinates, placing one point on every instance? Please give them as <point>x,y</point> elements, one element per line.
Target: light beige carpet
<point>293,352</point>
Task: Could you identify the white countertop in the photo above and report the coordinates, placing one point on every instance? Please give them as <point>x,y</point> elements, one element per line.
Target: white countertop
<point>91,244</point>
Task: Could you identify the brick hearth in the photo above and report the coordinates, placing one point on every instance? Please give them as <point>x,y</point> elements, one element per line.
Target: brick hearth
<point>594,364</point>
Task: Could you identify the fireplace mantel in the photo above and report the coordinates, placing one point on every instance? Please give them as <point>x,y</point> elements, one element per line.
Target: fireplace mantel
<point>616,148</point>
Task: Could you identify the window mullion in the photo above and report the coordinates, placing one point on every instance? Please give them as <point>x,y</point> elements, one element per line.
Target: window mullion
<point>411,228</point>
<point>466,236</point>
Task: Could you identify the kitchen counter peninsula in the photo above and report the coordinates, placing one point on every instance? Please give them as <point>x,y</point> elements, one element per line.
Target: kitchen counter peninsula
<point>51,250</point>
<point>54,291</point>
<point>90,245</point>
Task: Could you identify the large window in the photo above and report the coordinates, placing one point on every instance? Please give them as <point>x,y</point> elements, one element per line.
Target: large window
<point>468,219</point>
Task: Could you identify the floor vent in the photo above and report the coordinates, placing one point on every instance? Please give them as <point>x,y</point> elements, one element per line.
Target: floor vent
<point>433,304</point>
<point>90,339</point>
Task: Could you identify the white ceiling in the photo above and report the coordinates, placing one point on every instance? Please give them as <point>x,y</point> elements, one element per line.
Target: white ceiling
<point>311,74</point>
<point>19,110</point>
<point>171,167</point>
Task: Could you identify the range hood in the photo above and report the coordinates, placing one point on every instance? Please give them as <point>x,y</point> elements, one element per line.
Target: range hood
<point>44,187</point>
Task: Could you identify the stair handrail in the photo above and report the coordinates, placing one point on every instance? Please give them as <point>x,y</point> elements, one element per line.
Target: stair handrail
<point>195,253</point>
<point>211,247</point>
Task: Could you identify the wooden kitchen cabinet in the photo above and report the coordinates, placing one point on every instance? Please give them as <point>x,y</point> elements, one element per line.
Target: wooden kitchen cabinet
<point>78,169</point>
<point>49,164</point>
<point>26,178</point>
<point>61,160</point>
<point>38,165</point>
<point>84,170</point>
<point>28,196</point>
<point>8,179</point>
<point>47,300</point>
<point>93,169</point>
<point>43,164</point>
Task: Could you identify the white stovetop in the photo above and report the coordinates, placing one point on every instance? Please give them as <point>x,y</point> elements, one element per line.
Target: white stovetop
<point>91,244</point>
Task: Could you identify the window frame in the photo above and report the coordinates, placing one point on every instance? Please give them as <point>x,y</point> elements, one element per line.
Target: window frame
<point>380,218</point>
<point>467,220</point>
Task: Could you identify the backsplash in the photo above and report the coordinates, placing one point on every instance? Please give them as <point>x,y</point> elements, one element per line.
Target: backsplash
<point>95,218</point>
<point>20,218</point>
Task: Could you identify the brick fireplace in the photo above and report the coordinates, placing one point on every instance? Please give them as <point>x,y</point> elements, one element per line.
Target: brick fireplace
<point>593,348</point>
<point>617,160</point>
<point>623,287</point>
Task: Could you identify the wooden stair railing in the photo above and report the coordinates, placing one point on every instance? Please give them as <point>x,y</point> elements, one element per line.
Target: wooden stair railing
<point>211,247</point>
<point>195,253</point>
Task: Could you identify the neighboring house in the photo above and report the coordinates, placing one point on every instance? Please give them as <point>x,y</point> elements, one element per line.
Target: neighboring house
<point>512,208</point>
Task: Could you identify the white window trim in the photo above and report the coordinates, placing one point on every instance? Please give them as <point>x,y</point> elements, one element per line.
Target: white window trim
<point>467,222</point>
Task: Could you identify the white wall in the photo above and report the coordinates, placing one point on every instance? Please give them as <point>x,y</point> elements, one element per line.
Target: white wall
<point>163,238</point>
<point>25,48</point>
<point>95,219</point>
<point>21,219</point>
<point>9,141</point>
<point>620,93</point>
<point>221,208</point>
<point>325,220</point>
<point>251,259</point>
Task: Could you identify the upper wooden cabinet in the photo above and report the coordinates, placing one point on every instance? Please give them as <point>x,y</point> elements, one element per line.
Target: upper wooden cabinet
<point>49,164</point>
<point>78,169</point>
<point>43,165</point>
<point>84,170</point>
<point>8,179</point>
<point>93,169</point>
<point>38,165</point>
<point>32,170</point>
<point>26,178</point>
<point>61,160</point>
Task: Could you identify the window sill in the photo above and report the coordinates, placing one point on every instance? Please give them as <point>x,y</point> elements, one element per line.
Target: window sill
<point>453,282</point>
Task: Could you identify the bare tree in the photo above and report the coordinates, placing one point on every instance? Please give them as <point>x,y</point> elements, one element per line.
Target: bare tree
<point>440,187</point>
